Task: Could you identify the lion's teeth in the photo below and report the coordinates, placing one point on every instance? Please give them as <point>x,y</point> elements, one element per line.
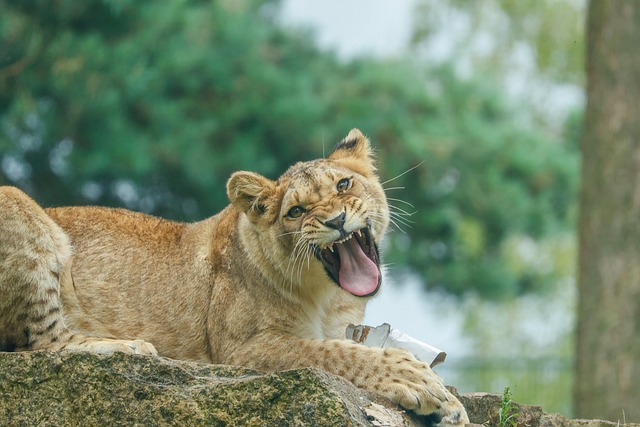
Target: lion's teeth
<point>358,233</point>
<point>331,248</point>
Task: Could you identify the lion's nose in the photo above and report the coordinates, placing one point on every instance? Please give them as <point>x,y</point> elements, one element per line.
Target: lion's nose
<point>336,223</point>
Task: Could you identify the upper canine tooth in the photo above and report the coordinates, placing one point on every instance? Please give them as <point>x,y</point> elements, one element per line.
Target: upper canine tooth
<point>331,247</point>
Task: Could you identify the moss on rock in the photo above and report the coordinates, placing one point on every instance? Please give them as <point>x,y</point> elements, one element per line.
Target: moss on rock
<point>43,388</point>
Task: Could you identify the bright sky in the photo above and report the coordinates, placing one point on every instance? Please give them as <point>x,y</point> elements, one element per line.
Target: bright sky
<point>354,27</point>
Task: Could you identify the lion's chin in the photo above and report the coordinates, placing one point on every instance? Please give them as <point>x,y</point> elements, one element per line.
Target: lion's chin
<point>353,263</point>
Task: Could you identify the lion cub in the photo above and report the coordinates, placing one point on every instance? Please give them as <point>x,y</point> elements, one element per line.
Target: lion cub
<point>270,283</point>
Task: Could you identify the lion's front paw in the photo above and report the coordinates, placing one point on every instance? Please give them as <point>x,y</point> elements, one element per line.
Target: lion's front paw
<point>141,347</point>
<point>413,385</point>
<point>109,346</point>
<point>451,414</point>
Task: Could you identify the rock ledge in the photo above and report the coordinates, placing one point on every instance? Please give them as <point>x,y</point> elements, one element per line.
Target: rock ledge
<point>60,389</point>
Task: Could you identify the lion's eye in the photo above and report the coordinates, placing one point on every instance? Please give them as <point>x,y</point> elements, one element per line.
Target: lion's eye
<point>295,212</point>
<point>343,185</point>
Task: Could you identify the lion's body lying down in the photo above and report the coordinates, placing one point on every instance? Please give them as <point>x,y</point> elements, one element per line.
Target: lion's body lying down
<point>269,283</point>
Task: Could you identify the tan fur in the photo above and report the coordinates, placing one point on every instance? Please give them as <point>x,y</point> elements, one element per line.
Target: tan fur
<point>242,287</point>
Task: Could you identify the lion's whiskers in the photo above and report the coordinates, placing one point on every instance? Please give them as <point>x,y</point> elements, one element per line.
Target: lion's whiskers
<point>401,201</point>
<point>290,233</point>
<point>396,219</point>
<point>295,256</point>
<point>403,173</point>
<point>301,251</point>
<point>400,215</point>
<point>291,257</point>
<point>377,219</point>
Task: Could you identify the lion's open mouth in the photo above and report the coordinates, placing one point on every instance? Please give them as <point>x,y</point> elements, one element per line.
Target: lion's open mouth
<point>353,263</point>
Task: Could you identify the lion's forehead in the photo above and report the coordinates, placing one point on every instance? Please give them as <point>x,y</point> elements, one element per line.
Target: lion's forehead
<point>311,171</point>
<point>310,182</point>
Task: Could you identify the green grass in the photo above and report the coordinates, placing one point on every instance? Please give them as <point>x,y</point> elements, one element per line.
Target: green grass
<point>508,410</point>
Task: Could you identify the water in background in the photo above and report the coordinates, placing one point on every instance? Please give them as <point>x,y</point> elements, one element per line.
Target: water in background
<point>526,344</point>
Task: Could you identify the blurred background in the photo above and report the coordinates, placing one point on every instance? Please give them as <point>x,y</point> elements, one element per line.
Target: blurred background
<point>474,109</point>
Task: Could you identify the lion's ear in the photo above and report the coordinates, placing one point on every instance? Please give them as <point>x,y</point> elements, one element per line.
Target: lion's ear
<point>355,152</point>
<point>250,193</point>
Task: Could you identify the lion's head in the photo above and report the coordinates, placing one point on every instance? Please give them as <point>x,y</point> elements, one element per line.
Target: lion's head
<point>323,219</point>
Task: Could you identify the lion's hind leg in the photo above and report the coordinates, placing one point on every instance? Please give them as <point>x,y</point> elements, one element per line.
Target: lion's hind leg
<point>34,251</point>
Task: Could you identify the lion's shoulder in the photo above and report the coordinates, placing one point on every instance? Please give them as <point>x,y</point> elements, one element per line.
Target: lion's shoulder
<point>88,222</point>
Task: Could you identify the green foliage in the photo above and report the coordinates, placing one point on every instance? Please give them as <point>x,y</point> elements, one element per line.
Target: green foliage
<point>492,32</point>
<point>153,106</point>
<point>508,410</point>
<point>160,110</point>
<point>490,185</point>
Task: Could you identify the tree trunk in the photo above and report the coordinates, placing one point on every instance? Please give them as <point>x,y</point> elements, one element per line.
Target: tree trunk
<point>608,334</point>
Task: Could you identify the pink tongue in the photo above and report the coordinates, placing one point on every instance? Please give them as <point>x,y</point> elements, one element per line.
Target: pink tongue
<point>358,274</point>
